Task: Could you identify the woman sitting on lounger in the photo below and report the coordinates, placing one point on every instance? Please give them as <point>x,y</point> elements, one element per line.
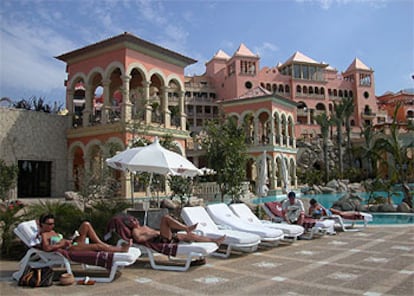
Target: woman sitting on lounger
<point>53,241</point>
<point>144,234</point>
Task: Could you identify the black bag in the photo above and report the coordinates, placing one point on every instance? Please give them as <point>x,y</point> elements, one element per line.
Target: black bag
<point>37,277</point>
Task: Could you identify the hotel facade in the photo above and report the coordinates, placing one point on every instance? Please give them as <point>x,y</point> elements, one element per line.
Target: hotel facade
<point>124,89</point>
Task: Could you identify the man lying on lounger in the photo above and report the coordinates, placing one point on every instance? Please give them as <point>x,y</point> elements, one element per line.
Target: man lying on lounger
<point>167,233</point>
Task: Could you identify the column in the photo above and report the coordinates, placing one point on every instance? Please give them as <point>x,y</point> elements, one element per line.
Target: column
<point>70,106</point>
<point>126,112</point>
<point>148,109</point>
<point>71,182</point>
<point>165,111</point>
<point>272,132</point>
<point>86,119</point>
<point>106,103</point>
<point>273,176</point>
<point>256,131</point>
<point>183,115</point>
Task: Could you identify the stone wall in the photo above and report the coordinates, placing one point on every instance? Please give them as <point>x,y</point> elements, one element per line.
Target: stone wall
<point>36,136</point>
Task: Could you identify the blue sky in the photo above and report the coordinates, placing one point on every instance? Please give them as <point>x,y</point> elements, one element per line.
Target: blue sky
<point>33,32</point>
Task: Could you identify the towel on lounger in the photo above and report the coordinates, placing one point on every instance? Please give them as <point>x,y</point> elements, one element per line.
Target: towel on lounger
<point>103,259</point>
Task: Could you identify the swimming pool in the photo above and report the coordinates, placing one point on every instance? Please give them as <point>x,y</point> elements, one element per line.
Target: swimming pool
<point>327,201</point>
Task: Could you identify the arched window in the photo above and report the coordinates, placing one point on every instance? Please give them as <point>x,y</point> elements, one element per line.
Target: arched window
<point>305,89</point>
<point>287,89</point>
<point>268,87</point>
<point>310,90</point>
<point>340,93</point>
<point>298,89</point>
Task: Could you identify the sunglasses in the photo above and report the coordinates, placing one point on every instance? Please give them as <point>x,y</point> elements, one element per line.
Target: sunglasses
<point>50,224</point>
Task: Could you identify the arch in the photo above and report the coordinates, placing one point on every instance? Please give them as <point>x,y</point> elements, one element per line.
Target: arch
<point>79,76</point>
<point>139,67</point>
<point>305,89</point>
<point>117,141</point>
<point>320,107</point>
<point>298,89</point>
<point>92,74</point>
<point>175,78</point>
<point>94,142</point>
<point>234,115</point>
<point>158,73</point>
<point>112,67</point>
<point>264,126</point>
<point>75,145</point>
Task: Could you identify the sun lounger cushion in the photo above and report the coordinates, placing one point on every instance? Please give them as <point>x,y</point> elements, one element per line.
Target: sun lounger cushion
<point>221,214</point>
<point>245,213</point>
<point>29,231</point>
<point>193,215</point>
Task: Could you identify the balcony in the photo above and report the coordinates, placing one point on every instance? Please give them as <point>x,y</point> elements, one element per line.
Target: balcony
<point>368,115</point>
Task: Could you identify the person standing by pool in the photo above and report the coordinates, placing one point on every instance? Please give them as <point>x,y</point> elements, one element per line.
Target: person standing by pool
<point>293,209</point>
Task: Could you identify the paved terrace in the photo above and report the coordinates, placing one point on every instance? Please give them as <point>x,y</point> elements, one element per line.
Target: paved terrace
<point>376,261</point>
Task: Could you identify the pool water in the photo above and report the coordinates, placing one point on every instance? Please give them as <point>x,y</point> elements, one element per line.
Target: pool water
<point>327,201</point>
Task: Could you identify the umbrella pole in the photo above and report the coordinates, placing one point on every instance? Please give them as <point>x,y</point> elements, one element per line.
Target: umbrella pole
<point>131,175</point>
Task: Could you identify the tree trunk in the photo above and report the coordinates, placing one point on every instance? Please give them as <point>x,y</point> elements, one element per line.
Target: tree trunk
<point>407,196</point>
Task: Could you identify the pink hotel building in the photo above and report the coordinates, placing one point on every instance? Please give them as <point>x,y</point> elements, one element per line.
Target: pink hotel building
<point>141,82</point>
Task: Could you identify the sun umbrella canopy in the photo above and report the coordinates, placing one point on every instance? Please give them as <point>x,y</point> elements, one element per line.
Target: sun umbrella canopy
<point>262,188</point>
<point>153,159</point>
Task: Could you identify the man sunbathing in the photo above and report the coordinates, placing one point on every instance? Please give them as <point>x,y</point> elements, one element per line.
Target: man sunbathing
<point>166,234</point>
<point>53,241</point>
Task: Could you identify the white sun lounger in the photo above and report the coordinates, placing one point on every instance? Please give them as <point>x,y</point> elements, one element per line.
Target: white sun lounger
<point>291,232</point>
<point>187,253</point>
<point>222,215</point>
<point>321,227</point>
<point>34,257</point>
<point>235,240</point>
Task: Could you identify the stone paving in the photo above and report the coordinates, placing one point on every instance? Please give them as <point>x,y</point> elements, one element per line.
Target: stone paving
<point>377,261</point>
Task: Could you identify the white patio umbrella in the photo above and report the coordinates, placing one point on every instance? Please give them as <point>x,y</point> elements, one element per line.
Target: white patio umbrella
<point>285,176</point>
<point>261,188</point>
<point>153,159</point>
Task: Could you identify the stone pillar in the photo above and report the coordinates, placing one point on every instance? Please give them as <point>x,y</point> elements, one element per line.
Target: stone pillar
<point>165,111</point>
<point>183,115</point>
<point>126,185</point>
<point>273,176</point>
<point>256,131</point>
<point>272,132</point>
<point>71,182</point>
<point>69,105</point>
<point>106,103</point>
<point>126,112</point>
<point>148,109</point>
<point>86,119</point>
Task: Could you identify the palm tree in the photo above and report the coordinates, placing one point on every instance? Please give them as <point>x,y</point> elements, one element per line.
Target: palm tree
<point>396,149</point>
<point>349,107</point>
<point>368,149</point>
<point>324,122</point>
<point>338,119</point>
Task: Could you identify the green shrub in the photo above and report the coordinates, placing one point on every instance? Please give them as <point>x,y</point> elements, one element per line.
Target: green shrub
<point>67,216</point>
